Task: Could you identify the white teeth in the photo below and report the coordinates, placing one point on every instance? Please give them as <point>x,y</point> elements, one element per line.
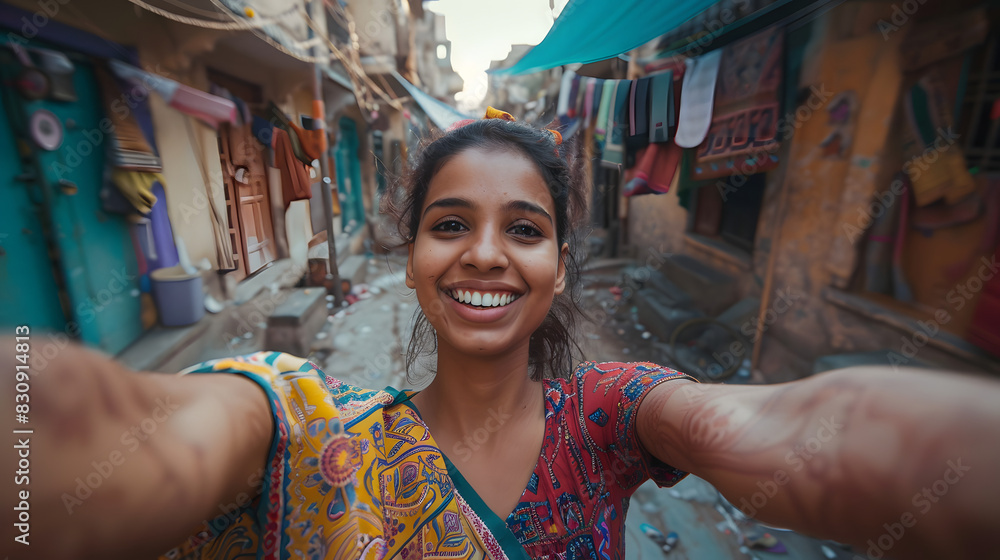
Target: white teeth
<point>481,299</point>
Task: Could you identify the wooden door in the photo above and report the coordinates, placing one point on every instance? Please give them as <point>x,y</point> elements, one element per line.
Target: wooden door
<point>248,201</point>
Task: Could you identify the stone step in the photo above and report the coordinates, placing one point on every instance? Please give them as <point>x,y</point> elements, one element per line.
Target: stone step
<point>296,321</point>
<point>659,313</point>
<point>711,290</point>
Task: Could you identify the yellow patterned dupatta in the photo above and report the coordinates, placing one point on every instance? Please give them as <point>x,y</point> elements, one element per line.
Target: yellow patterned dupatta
<point>352,473</point>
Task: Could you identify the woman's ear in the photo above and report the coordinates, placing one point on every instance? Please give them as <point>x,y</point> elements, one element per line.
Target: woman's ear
<point>561,273</point>
<point>409,268</point>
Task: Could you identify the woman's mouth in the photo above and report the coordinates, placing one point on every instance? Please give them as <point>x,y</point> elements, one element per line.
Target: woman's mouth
<point>483,300</point>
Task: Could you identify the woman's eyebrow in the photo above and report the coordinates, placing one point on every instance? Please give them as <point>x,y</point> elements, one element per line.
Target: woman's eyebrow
<point>526,206</point>
<point>449,203</point>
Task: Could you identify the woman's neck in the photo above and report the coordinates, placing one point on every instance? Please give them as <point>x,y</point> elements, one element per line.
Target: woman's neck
<point>468,391</point>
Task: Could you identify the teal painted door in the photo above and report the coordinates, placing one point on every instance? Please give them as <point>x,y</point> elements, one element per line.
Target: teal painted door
<point>352,209</point>
<point>92,269</point>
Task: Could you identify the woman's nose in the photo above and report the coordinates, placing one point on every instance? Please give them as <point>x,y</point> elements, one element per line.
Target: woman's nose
<point>486,251</point>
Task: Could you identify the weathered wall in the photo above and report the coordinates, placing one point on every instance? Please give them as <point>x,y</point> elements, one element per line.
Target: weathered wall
<point>848,56</point>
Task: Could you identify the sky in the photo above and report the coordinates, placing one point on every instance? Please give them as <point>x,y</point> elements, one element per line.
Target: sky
<point>484,30</point>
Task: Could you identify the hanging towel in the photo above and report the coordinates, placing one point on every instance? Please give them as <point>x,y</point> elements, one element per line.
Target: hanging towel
<point>614,145</point>
<point>601,126</point>
<point>295,183</point>
<point>638,136</point>
<point>661,106</point>
<point>574,91</point>
<point>697,98</point>
<point>210,109</point>
<point>598,93</point>
<point>588,100</point>
<point>562,106</point>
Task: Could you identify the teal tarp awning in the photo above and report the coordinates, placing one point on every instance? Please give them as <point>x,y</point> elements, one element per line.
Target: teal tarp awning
<point>440,113</point>
<point>592,30</point>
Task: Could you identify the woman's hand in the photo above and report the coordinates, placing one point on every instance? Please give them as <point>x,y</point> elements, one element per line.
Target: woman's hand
<point>127,464</point>
<point>899,463</point>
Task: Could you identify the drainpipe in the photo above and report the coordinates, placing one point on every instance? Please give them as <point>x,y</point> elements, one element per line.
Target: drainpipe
<point>319,121</point>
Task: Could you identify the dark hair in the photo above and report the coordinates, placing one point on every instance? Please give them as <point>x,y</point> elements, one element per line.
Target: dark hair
<point>551,350</point>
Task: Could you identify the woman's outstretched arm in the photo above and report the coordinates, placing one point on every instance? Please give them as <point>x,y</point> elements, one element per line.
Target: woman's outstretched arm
<point>126,464</point>
<point>900,463</point>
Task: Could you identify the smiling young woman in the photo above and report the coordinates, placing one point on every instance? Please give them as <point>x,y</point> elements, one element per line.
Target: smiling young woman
<point>302,465</point>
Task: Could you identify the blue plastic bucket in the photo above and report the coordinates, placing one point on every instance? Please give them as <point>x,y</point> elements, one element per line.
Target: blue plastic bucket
<point>178,295</point>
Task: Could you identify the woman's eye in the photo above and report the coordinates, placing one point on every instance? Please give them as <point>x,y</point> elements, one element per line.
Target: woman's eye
<point>524,230</point>
<point>450,226</point>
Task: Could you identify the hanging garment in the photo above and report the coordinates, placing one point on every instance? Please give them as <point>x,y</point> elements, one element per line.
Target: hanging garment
<point>614,145</point>
<point>935,162</point>
<point>661,106</point>
<point>743,136</point>
<point>305,143</point>
<point>565,87</point>
<point>137,186</point>
<point>638,113</point>
<point>655,169</point>
<point>601,126</point>
<point>360,468</point>
<point>574,91</point>
<point>210,109</point>
<point>295,183</point>
<point>588,99</point>
<point>598,93</point>
<point>697,99</point>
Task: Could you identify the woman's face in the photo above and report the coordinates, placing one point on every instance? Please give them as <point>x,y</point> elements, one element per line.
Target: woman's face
<point>485,262</point>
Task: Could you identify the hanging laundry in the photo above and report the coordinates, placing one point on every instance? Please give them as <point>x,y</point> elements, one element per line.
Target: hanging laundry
<point>295,182</point>
<point>305,143</point>
<point>574,91</point>
<point>598,93</point>
<point>935,162</point>
<point>617,127</point>
<point>601,126</point>
<point>137,186</point>
<point>743,137</point>
<point>638,119</point>
<point>588,99</point>
<point>131,147</point>
<point>164,253</point>
<point>565,86</point>
<point>655,169</point>
<point>210,109</point>
<point>661,106</point>
<point>697,98</point>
